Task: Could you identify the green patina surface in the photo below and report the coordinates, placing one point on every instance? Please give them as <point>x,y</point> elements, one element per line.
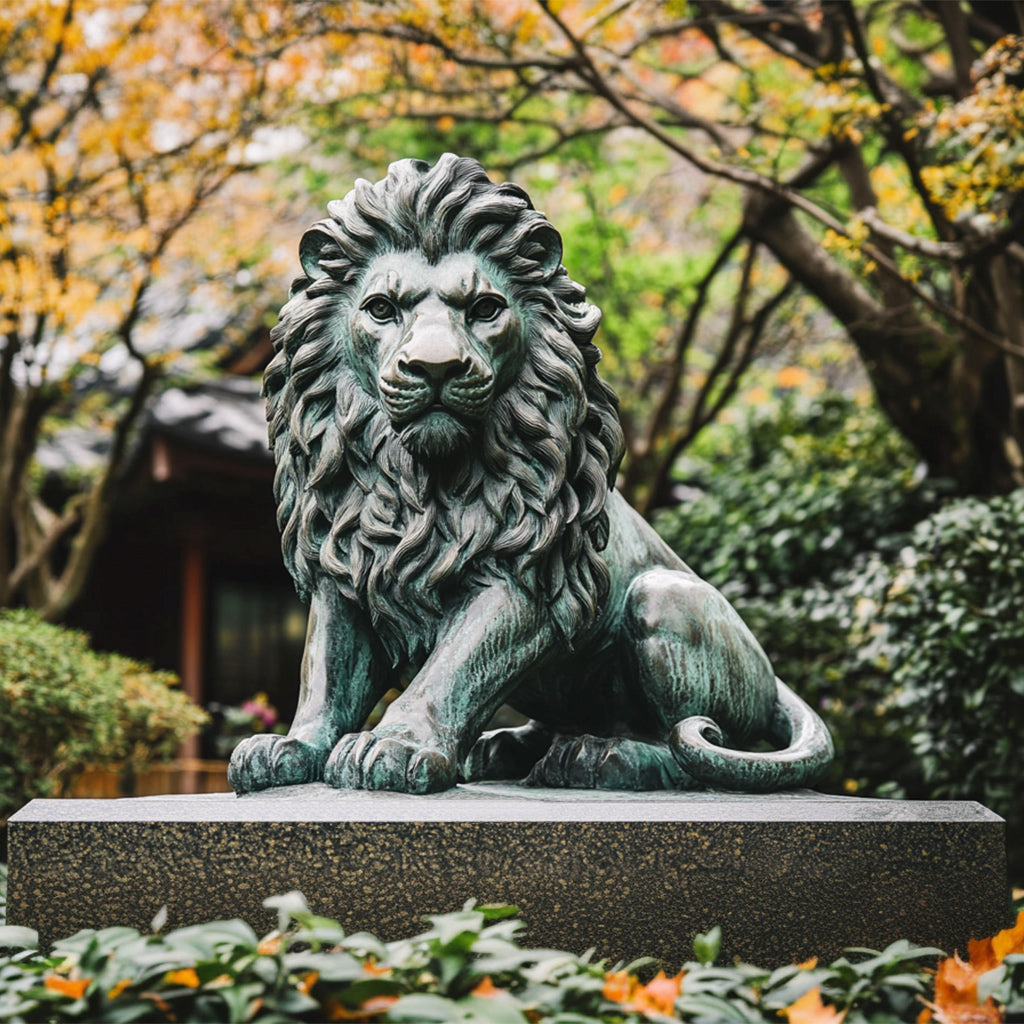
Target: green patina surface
<point>446,461</point>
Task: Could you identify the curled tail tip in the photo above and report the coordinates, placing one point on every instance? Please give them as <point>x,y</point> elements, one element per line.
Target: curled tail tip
<point>697,744</point>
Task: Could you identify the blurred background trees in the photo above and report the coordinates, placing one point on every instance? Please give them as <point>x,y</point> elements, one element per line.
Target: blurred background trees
<point>871,160</point>
<point>126,233</point>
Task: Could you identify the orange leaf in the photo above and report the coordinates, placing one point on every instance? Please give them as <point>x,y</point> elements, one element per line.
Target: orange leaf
<point>956,983</point>
<point>118,988</point>
<point>486,988</point>
<point>186,976</point>
<point>161,1004</point>
<point>987,1014</point>
<point>65,986</point>
<point>370,1010</point>
<point>618,987</point>
<point>617,193</point>
<point>1010,940</point>
<point>792,377</point>
<point>981,955</point>
<point>378,1004</point>
<point>659,994</point>
<point>809,1009</point>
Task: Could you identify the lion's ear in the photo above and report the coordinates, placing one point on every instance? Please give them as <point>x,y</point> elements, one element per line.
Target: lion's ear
<point>311,247</point>
<point>544,244</point>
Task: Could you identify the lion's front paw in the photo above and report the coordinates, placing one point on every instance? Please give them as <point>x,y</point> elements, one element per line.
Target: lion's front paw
<point>263,761</point>
<point>365,760</point>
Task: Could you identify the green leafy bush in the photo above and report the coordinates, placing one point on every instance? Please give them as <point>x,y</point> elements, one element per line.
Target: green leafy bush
<point>916,660</point>
<point>467,966</point>
<point>828,639</point>
<point>905,629</point>
<point>954,642</point>
<point>794,494</point>
<point>64,707</point>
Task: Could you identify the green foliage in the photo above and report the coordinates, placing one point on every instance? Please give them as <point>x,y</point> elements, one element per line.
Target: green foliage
<point>805,503</point>
<point>64,707</point>
<point>870,986</point>
<point>955,642</point>
<point>467,966</point>
<point>793,494</point>
<point>308,970</point>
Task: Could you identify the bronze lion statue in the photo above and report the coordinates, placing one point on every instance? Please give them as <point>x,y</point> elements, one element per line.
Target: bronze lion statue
<point>446,456</point>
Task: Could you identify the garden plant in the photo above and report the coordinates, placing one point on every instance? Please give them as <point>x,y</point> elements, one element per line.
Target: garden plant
<point>64,707</point>
<point>470,966</point>
<point>892,605</point>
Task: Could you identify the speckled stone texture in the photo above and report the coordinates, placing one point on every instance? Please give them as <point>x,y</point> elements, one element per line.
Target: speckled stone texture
<point>786,876</point>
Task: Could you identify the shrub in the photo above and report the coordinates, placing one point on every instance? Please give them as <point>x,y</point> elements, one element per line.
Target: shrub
<point>917,661</point>
<point>469,966</point>
<point>64,707</point>
<point>954,639</point>
<point>829,641</point>
<point>794,494</point>
<point>905,630</point>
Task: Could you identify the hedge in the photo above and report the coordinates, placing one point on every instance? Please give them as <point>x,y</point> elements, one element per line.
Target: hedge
<point>64,707</point>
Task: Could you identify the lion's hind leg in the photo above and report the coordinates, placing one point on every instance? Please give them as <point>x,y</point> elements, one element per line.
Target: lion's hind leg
<point>693,655</point>
<point>609,762</point>
<point>507,753</point>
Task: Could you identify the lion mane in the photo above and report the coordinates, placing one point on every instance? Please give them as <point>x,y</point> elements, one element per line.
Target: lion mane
<point>403,538</point>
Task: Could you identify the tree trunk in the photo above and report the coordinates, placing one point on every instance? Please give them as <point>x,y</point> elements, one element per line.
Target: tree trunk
<point>951,395</point>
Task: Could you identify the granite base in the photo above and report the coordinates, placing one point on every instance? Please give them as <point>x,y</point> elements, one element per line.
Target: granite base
<point>786,877</point>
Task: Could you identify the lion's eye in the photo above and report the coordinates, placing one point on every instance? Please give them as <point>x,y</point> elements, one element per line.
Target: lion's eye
<point>380,309</point>
<point>487,307</point>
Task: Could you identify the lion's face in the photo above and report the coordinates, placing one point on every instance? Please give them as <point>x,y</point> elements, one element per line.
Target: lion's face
<point>436,344</point>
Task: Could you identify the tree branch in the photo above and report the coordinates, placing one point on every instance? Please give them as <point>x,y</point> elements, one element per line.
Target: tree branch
<point>34,97</point>
<point>754,329</point>
<point>893,125</point>
<point>659,420</point>
<point>97,504</point>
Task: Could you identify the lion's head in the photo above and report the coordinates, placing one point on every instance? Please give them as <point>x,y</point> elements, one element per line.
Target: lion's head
<point>434,406</point>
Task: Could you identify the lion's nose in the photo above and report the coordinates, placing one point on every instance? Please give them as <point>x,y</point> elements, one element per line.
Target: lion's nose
<point>432,355</point>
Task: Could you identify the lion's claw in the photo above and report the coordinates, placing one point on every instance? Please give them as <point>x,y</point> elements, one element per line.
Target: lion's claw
<point>263,761</point>
<point>367,761</point>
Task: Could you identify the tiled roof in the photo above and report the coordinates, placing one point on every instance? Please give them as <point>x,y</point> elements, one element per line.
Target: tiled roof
<point>226,415</point>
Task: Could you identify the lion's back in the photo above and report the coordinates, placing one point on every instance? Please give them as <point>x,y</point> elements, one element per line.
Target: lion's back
<point>633,548</point>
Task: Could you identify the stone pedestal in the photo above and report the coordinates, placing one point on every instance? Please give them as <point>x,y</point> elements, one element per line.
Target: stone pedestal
<point>786,877</point>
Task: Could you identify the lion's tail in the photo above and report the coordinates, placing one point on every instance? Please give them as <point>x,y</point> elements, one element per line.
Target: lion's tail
<point>807,750</point>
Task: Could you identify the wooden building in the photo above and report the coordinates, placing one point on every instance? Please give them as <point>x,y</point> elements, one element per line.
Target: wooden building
<point>190,577</point>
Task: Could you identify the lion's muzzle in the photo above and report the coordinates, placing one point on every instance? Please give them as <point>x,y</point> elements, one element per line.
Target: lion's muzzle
<point>434,369</point>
